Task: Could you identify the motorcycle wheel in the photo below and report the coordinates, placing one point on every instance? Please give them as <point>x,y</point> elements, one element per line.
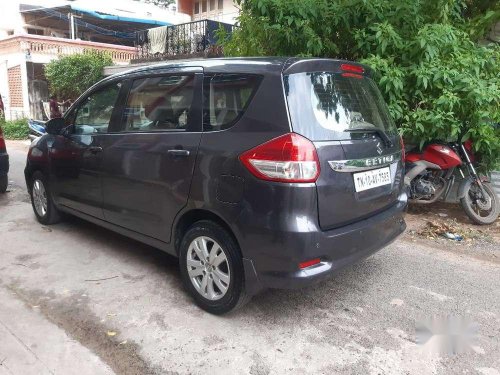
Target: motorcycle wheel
<point>480,211</point>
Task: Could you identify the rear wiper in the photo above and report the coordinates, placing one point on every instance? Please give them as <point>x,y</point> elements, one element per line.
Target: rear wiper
<point>382,134</point>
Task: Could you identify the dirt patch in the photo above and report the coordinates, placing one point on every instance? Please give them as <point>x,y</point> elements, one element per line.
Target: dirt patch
<point>73,315</point>
<point>133,278</point>
<point>14,195</point>
<point>26,257</point>
<point>429,224</point>
<point>452,230</point>
<point>159,320</point>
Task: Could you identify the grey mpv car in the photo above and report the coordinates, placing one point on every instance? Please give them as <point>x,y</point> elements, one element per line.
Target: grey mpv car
<point>257,173</point>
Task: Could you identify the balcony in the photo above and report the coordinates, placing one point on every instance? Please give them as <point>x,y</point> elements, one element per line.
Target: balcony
<point>187,40</point>
<point>42,49</point>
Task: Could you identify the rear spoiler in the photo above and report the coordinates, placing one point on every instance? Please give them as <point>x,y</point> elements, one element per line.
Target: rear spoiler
<point>294,65</point>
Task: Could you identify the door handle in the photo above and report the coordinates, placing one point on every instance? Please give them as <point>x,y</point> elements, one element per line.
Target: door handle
<point>178,152</point>
<point>95,149</point>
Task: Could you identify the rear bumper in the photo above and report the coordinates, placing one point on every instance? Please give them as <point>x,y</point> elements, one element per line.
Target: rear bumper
<point>4,163</point>
<point>336,249</point>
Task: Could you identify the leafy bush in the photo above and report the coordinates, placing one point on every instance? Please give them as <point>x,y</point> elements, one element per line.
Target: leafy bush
<point>70,76</point>
<point>15,129</point>
<point>439,83</point>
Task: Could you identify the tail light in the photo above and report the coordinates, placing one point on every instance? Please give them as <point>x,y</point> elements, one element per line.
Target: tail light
<point>352,68</point>
<point>353,71</point>
<point>309,263</point>
<point>2,140</point>
<point>288,158</point>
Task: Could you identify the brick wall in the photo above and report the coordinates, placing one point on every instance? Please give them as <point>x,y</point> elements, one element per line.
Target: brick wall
<point>15,86</point>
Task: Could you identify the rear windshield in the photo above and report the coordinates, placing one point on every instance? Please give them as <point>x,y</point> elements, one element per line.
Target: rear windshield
<point>325,106</point>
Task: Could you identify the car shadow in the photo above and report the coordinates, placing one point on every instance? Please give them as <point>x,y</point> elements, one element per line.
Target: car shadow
<point>124,247</point>
<point>338,291</point>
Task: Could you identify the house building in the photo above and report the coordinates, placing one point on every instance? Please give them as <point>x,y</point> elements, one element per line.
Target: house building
<point>217,10</point>
<point>34,32</point>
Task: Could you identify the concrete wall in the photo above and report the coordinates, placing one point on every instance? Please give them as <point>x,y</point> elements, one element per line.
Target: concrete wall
<point>11,21</point>
<point>14,81</point>
<point>17,51</point>
<point>227,14</point>
<point>495,180</point>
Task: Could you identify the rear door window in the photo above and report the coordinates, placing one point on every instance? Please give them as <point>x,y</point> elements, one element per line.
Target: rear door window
<point>325,106</point>
<point>157,104</point>
<point>225,99</point>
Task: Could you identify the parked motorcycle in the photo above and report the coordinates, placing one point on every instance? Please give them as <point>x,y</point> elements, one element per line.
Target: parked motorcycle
<point>36,128</point>
<point>430,175</point>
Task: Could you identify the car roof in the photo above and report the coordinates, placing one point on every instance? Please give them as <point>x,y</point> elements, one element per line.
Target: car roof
<point>241,64</point>
<point>256,65</point>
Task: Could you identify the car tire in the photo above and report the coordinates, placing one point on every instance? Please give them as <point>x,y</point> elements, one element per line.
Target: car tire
<point>4,182</point>
<point>212,268</point>
<point>41,200</point>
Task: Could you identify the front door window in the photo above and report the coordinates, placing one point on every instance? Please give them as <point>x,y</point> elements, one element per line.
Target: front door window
<point>94,114</point>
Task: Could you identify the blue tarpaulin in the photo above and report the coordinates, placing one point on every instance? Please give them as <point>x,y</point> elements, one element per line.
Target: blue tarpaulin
<point>104,16</point>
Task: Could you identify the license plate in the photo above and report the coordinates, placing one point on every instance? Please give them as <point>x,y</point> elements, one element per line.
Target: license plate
<point>372,179</point>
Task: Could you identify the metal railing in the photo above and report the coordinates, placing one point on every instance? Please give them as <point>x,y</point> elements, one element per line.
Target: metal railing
<point>44,45</point>
<point>192,39</point>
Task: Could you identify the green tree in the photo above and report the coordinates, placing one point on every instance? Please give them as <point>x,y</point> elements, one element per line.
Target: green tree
<point>438,81</point>
<point>70,76</point>
<point>161,3</point>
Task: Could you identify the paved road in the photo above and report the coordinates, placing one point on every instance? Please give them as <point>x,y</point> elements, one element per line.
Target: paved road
<point>139,320</point>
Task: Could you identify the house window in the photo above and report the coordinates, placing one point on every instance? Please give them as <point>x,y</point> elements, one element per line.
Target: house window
<point>204,6</point>
<point>196,8</point>
<point>32,31</point>
<point>221,4</point>
<point>212,4</point>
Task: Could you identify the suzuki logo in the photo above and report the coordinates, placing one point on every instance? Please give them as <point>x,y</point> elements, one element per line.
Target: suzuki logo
<point>379,148</point>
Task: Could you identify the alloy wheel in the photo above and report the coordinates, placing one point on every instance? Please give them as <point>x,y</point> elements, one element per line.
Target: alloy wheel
<point>39,198</point>
<point>208,268</point>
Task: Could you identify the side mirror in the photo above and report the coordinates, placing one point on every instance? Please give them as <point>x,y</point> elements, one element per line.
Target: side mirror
<point>54,126</point>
